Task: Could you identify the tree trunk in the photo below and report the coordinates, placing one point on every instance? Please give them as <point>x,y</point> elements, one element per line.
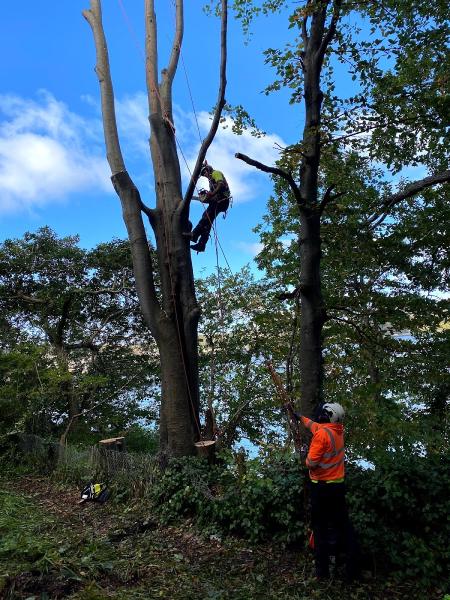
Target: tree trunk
<point>312,310</point>
<point>65,387</point>
<point>312,315</point>
<point>175,326</point>
<point>172,314</point>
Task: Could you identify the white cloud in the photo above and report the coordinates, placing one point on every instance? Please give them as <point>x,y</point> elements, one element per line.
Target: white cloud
<point>132,123</point>
<point>47,152</point>
<point>251,248</point>
<point>246,182</point>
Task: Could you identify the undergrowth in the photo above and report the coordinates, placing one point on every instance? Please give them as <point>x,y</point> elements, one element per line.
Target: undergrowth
<point>53,548</point>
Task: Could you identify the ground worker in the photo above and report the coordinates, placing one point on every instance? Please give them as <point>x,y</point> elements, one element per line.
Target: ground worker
<point>218,200</point>
<point>329,516</point>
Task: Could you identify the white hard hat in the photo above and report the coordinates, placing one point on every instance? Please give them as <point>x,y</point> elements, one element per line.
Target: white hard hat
<point>334,411</point>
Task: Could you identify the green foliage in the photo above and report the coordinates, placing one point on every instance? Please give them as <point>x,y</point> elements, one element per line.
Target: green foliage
<point>400,510</point>
<point>72,338</point>
<point>242,326</point>
<point>140,439</point>
<point>262,503</point>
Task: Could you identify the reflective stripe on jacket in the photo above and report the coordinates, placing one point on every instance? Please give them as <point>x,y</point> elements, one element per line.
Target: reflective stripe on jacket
<point>325,459</point>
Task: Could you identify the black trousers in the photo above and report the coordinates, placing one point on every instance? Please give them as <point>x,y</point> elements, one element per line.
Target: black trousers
<point>333,532</point>
<point>203,228</point>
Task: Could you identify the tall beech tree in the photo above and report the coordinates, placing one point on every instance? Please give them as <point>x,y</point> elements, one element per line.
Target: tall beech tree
<point>366,120</point>
<point>172,316</point>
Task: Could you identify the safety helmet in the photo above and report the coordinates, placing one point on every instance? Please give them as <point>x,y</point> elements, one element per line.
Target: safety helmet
<point>206,169</point>
<point>332,412</point>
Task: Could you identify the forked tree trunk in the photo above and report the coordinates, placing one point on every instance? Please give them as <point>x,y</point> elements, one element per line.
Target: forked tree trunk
<point>172,315</point>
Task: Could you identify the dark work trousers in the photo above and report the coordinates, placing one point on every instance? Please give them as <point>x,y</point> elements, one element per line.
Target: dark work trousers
<point>331,525</point>
<point>203,228</point>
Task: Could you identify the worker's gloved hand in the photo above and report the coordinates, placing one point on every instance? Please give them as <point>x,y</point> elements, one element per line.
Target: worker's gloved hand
<point>290,409</point>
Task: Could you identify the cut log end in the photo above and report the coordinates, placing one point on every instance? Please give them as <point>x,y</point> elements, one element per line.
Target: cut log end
<point>206,449</point>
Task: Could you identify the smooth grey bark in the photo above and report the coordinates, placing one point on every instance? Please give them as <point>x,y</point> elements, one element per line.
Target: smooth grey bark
<point>172,315</point>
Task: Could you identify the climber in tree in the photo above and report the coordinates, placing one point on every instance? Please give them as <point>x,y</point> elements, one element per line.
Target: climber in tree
<point>218,200</point>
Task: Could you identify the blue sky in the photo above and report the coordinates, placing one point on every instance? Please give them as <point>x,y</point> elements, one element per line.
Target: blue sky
<point>52,165</point>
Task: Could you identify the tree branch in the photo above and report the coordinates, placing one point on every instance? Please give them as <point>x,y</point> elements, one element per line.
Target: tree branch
<point>218,110</point>
<point>169,73</point>
<point>113,152</point>
<point>63,320</point>
<point>331,29</point>
<point>128,193</point>
<point>151,58</point>
<point>410,190</point>
<point>329,197</point>
<point>274,171</point>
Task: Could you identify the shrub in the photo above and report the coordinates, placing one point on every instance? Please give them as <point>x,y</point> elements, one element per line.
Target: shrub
<point>400,511</point>
<point>265,502</point>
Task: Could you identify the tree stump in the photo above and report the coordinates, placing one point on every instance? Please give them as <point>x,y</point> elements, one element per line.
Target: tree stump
<point>116,444</point>
<point>111,453</point>
<point>206,449</point>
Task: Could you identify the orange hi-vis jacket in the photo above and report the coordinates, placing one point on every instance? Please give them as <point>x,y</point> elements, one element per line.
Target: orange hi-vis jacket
<point>325,459</point>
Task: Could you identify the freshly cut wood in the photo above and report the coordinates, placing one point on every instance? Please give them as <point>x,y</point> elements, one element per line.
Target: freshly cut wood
<point>111,440</point>
<point>206,449</point>
<point>115,444</point>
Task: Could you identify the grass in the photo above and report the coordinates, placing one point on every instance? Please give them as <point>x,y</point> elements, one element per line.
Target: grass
<point>51,548</point>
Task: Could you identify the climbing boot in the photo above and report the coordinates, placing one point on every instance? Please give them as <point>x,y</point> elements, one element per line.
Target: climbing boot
<point>198,247</point>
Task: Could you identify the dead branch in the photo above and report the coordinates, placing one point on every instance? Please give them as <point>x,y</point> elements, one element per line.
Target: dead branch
<point>151,58</point>
<point>113,152</point>
<point>169,73</point>
<point>274,171</point>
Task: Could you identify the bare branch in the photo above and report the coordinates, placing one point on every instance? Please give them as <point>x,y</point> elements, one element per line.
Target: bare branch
<point>113,151</point>
<point>151,58</point>
<point>410,190</point>
<point>218,111</point>
<point>274,171</point>
<point>169,73</point>
<point>142,258</point>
